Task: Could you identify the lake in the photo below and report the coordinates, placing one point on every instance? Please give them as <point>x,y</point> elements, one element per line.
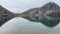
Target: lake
<point>20,25</point>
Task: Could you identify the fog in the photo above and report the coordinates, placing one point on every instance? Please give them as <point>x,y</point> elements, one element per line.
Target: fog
<point>20,25</point>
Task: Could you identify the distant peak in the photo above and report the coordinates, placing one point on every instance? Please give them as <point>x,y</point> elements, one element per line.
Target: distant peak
<point>50,6</point>
<point>51,3</point>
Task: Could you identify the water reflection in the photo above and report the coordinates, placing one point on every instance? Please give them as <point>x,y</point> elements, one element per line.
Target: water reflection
<point>22,26</point>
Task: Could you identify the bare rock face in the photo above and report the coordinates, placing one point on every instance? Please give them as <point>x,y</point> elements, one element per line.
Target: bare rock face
<point>49,14</point>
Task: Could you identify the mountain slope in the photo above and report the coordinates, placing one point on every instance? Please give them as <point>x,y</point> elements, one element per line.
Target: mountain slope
<point>42,14</point>
<point>5,15</point>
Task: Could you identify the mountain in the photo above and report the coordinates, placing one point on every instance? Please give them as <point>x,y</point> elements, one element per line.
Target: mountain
<point>48,14</point>
<point>50,6</point>
<point>5,15</point>
<point>42,14</point>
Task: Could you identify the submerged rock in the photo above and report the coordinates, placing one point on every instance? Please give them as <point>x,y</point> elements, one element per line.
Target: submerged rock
<point>48,14</point>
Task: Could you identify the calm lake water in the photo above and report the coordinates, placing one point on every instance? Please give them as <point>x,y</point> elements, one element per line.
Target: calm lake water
<point>20,25</point>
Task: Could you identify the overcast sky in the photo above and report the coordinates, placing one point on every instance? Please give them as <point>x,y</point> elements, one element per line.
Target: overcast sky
<point>21,5</point>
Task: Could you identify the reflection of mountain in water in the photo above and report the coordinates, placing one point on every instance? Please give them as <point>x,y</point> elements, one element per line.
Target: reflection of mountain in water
<point>5,15</point>
<point>44,14</point>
